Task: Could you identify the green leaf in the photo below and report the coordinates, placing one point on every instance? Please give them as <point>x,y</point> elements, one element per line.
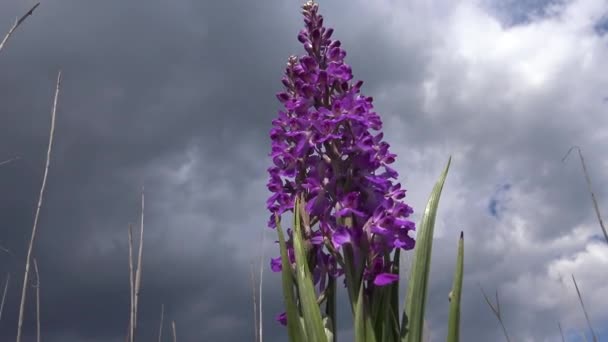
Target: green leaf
<point>364,330</point>
<point>382,299</point>
<point>294,328</point>
<point>331,310</point>
<point>352,273</point>
<point>329,328</point>
<point>308,298</point>
<point>421,265</point>
<point>394,309</point>
<point>455,294</point>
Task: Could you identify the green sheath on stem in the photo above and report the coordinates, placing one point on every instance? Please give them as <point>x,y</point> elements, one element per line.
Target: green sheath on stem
<point>308,299</point>
<point>294,327</point>
<point>454,318</point>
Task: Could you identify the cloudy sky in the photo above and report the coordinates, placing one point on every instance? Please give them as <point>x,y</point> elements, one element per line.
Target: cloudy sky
<point>177,96</point>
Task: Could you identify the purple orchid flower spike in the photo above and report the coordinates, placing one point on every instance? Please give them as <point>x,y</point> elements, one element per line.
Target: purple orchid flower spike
<point>327,147</point>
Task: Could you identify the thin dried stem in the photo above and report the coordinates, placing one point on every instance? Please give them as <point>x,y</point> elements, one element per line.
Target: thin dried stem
<point>17,23</point>
<point>255,303</point>
<point>590,188</point>
<point>130,332</point>
<point>261,336</point>
<point>31,244</point>
<point>162,317</point>
<point>496,311</point>
<point>561,332</point>
<point>174,333</point>
<point>37,287</point>
<point>139,261</point>
<point>8,278</point>
<point>8,161</point>
<point>580,299</point>
<point>4,249</point>
<point>128,335</point>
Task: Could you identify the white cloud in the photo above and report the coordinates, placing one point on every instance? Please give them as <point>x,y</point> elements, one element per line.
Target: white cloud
<point>506,102</point>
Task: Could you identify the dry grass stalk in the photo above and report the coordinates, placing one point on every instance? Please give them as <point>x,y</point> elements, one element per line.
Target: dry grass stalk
<point>174,333</point>
<point>496,311</point>
<point>162,317</point>
<point>255,304</point>
<point>34,228</point>
<point>130,332</point>
<point>561,332</point>
<point>17,23</point>
<point>260,334</point>
<point>135,277</point>
<point>139,261</point>
<point>8,161</point>
<point>6,250</point>
<point>8,278</point>
<point>37,287</point>
<point>589,188</point>
<point>580,299</point>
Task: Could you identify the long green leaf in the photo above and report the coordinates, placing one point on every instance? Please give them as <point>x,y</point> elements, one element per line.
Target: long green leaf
<point>454,318</point>
<point>308,299</point>
<point>421,265</point>
<point>294,327</point>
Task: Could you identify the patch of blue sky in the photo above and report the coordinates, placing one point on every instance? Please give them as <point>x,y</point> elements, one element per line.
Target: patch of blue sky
<point>520,12</point>
<point>597,237</point>
<point>601,26</point>
<point>497,203</point>
<point>600,330</point>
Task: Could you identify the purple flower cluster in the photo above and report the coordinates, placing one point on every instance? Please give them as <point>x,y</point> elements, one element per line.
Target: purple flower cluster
<point>323,149</point>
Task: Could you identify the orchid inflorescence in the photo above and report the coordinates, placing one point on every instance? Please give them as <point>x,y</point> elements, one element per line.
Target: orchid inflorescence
<point>323,148</point>
<point>331,168</point>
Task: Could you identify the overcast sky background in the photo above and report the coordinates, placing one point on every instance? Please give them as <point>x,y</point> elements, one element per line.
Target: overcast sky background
<point>177,96</point>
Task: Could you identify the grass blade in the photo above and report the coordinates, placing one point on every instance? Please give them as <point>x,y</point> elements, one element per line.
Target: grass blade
<point>455,295</point>
<point>418,282</point>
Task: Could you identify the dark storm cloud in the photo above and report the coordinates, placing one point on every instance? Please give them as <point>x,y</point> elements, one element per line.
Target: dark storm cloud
<point>142,82</point>
<point>178,96</point>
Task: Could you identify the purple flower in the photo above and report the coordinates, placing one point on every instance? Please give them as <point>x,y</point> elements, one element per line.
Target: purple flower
<point>385,279</point>
<point>275,264</point>
<point>328,148</point>
<point>282,318</point>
